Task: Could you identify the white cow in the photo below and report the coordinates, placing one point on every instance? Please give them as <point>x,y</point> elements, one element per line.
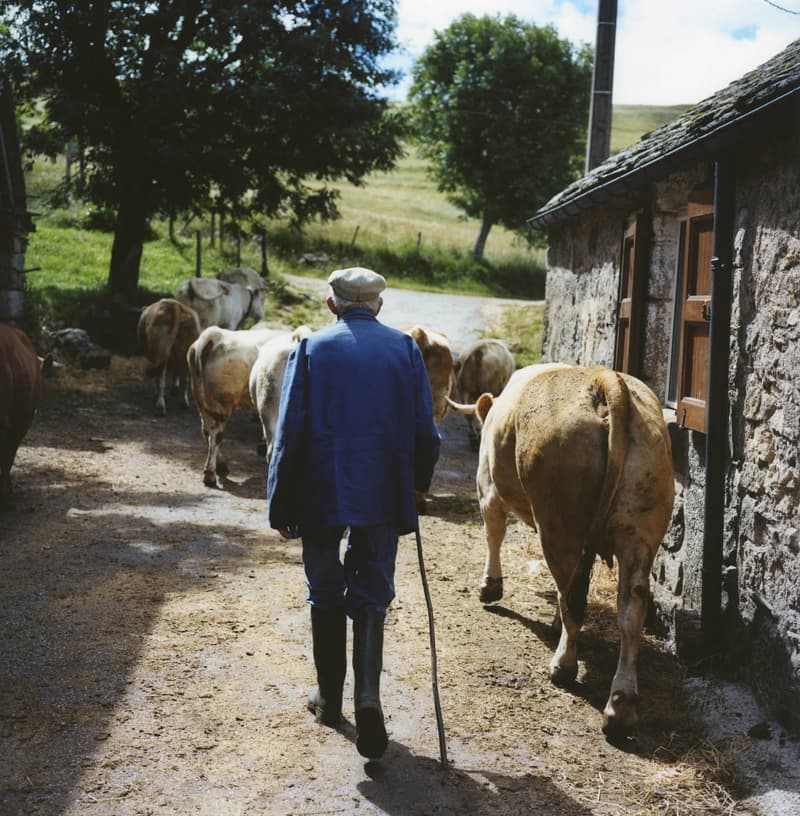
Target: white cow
<point>166,329</point>
<point>266,380</point>
<point>244,276</point>
<point>583,456</point>
<point>219,366</point>
<point>485,367</point>
<point>219,303</point>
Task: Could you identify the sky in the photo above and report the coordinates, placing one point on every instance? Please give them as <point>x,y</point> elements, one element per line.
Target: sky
<point>668,52</point>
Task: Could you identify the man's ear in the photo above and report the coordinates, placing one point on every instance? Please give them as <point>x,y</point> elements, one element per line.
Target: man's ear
<point>332,306</point>
<point>380,305</point>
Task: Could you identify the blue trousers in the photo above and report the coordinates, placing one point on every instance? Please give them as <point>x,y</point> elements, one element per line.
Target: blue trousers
<point>366,578</point>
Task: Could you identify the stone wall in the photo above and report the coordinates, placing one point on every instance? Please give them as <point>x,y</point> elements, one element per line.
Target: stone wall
<point>762,550</point>
<point>15,222</point>
<point>581,290</point>
<point>12,279</point>
<point>762,523</point>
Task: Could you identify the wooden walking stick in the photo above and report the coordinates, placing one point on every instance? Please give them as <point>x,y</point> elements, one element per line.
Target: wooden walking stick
<point>436,704</point>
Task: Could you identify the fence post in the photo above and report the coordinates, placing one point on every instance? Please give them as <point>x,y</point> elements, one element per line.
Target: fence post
<point>238,248</point>
<point>70,157</point>
<point>355,235</point>
<point>264,266</point>
<point>419,241</point>
<point>198,264</point>
<point>213,228</point>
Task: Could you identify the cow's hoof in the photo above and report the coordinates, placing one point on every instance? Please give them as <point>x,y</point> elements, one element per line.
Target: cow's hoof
<point>161,409</point>
<point>491,589</point>
<point>562,675</point>
<point>222,470</point>
<point>619,716</point>
<point>209,478</point>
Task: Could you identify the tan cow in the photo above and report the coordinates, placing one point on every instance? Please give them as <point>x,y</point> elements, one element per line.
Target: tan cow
<point>266,380</point>
<point>484,368</point>
<point>582,455</point>
<point>220,361</point>
<point>166,330</point>
<point>438,357</point>
<point>20,391</point>
<point>219,303</point>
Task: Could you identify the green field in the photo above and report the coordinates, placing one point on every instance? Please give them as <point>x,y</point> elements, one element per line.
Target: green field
<point>631,122</point>
<point>396,222</point>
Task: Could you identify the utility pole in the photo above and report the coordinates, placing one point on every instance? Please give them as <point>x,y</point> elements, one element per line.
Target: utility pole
<point>599,143</point>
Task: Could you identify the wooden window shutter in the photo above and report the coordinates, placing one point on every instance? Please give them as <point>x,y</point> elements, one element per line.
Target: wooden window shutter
<point>632,289</point>
<point>696,312</point>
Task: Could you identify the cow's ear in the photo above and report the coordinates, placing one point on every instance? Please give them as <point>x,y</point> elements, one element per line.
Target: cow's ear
<point>420,336</point>
<point>456,366</point>
<point>482,406</point>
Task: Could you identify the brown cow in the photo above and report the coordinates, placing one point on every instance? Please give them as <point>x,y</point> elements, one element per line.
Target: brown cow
<point>166,330</point>
<point>20,391</point>
<point>582,455</point>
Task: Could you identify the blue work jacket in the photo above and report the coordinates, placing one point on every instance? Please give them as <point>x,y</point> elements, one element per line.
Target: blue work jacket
<point>355,433</point>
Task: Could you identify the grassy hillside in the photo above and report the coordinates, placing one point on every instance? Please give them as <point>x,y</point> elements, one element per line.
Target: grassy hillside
<point>631,122</point>
<point>397,222</point>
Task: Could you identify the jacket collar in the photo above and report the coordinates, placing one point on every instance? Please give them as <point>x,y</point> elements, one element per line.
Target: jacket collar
<point>358,314</point>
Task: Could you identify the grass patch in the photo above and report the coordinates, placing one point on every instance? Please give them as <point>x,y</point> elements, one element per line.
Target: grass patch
<point>522,327</point>
<point>396,222</point>
<point>631,122</point>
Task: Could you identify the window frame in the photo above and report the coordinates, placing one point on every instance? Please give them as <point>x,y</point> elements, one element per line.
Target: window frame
<point>631,292</point>
<point>692,313</point>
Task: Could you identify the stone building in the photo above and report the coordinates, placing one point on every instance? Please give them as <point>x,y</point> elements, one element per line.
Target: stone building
<point>678,260</point>
<point>15,221</point>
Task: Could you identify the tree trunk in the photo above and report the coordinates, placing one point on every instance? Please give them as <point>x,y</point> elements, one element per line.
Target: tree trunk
<point>480,243</point>
<point>126,252</point>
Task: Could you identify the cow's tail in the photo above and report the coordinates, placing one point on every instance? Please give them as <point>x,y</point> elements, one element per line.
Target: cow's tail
<point>479,408</point>
<point>196,359</point>
<point>611,400</point>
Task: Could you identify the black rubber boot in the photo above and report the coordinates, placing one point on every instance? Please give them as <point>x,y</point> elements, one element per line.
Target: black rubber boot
<point>371,738</point>
<point>329,636</point>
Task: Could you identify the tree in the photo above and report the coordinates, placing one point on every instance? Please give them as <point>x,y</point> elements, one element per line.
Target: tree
<point>500,108</point>
<point>176,103</point>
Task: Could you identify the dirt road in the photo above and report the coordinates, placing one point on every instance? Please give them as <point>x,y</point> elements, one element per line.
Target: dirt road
<point>156,648</point>
<point>460,317</point>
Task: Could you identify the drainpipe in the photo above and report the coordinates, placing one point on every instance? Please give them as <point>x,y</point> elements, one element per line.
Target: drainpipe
<point>599,141</point>
<point>716,460</point>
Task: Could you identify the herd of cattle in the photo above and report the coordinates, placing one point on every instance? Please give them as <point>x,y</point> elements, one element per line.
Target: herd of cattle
<point>582,455</point>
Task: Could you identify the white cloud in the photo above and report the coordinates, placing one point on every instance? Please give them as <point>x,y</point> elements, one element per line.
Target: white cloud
<point>667,51</point>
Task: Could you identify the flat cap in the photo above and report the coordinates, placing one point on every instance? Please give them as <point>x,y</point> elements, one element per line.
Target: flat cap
<point>356,283</point>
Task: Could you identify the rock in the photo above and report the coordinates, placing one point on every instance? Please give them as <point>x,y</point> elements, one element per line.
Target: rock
<point>760,731</point>
<point>78,347</point>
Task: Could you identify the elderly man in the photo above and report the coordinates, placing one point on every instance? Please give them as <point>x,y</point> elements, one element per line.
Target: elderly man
<point>355,439</point>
